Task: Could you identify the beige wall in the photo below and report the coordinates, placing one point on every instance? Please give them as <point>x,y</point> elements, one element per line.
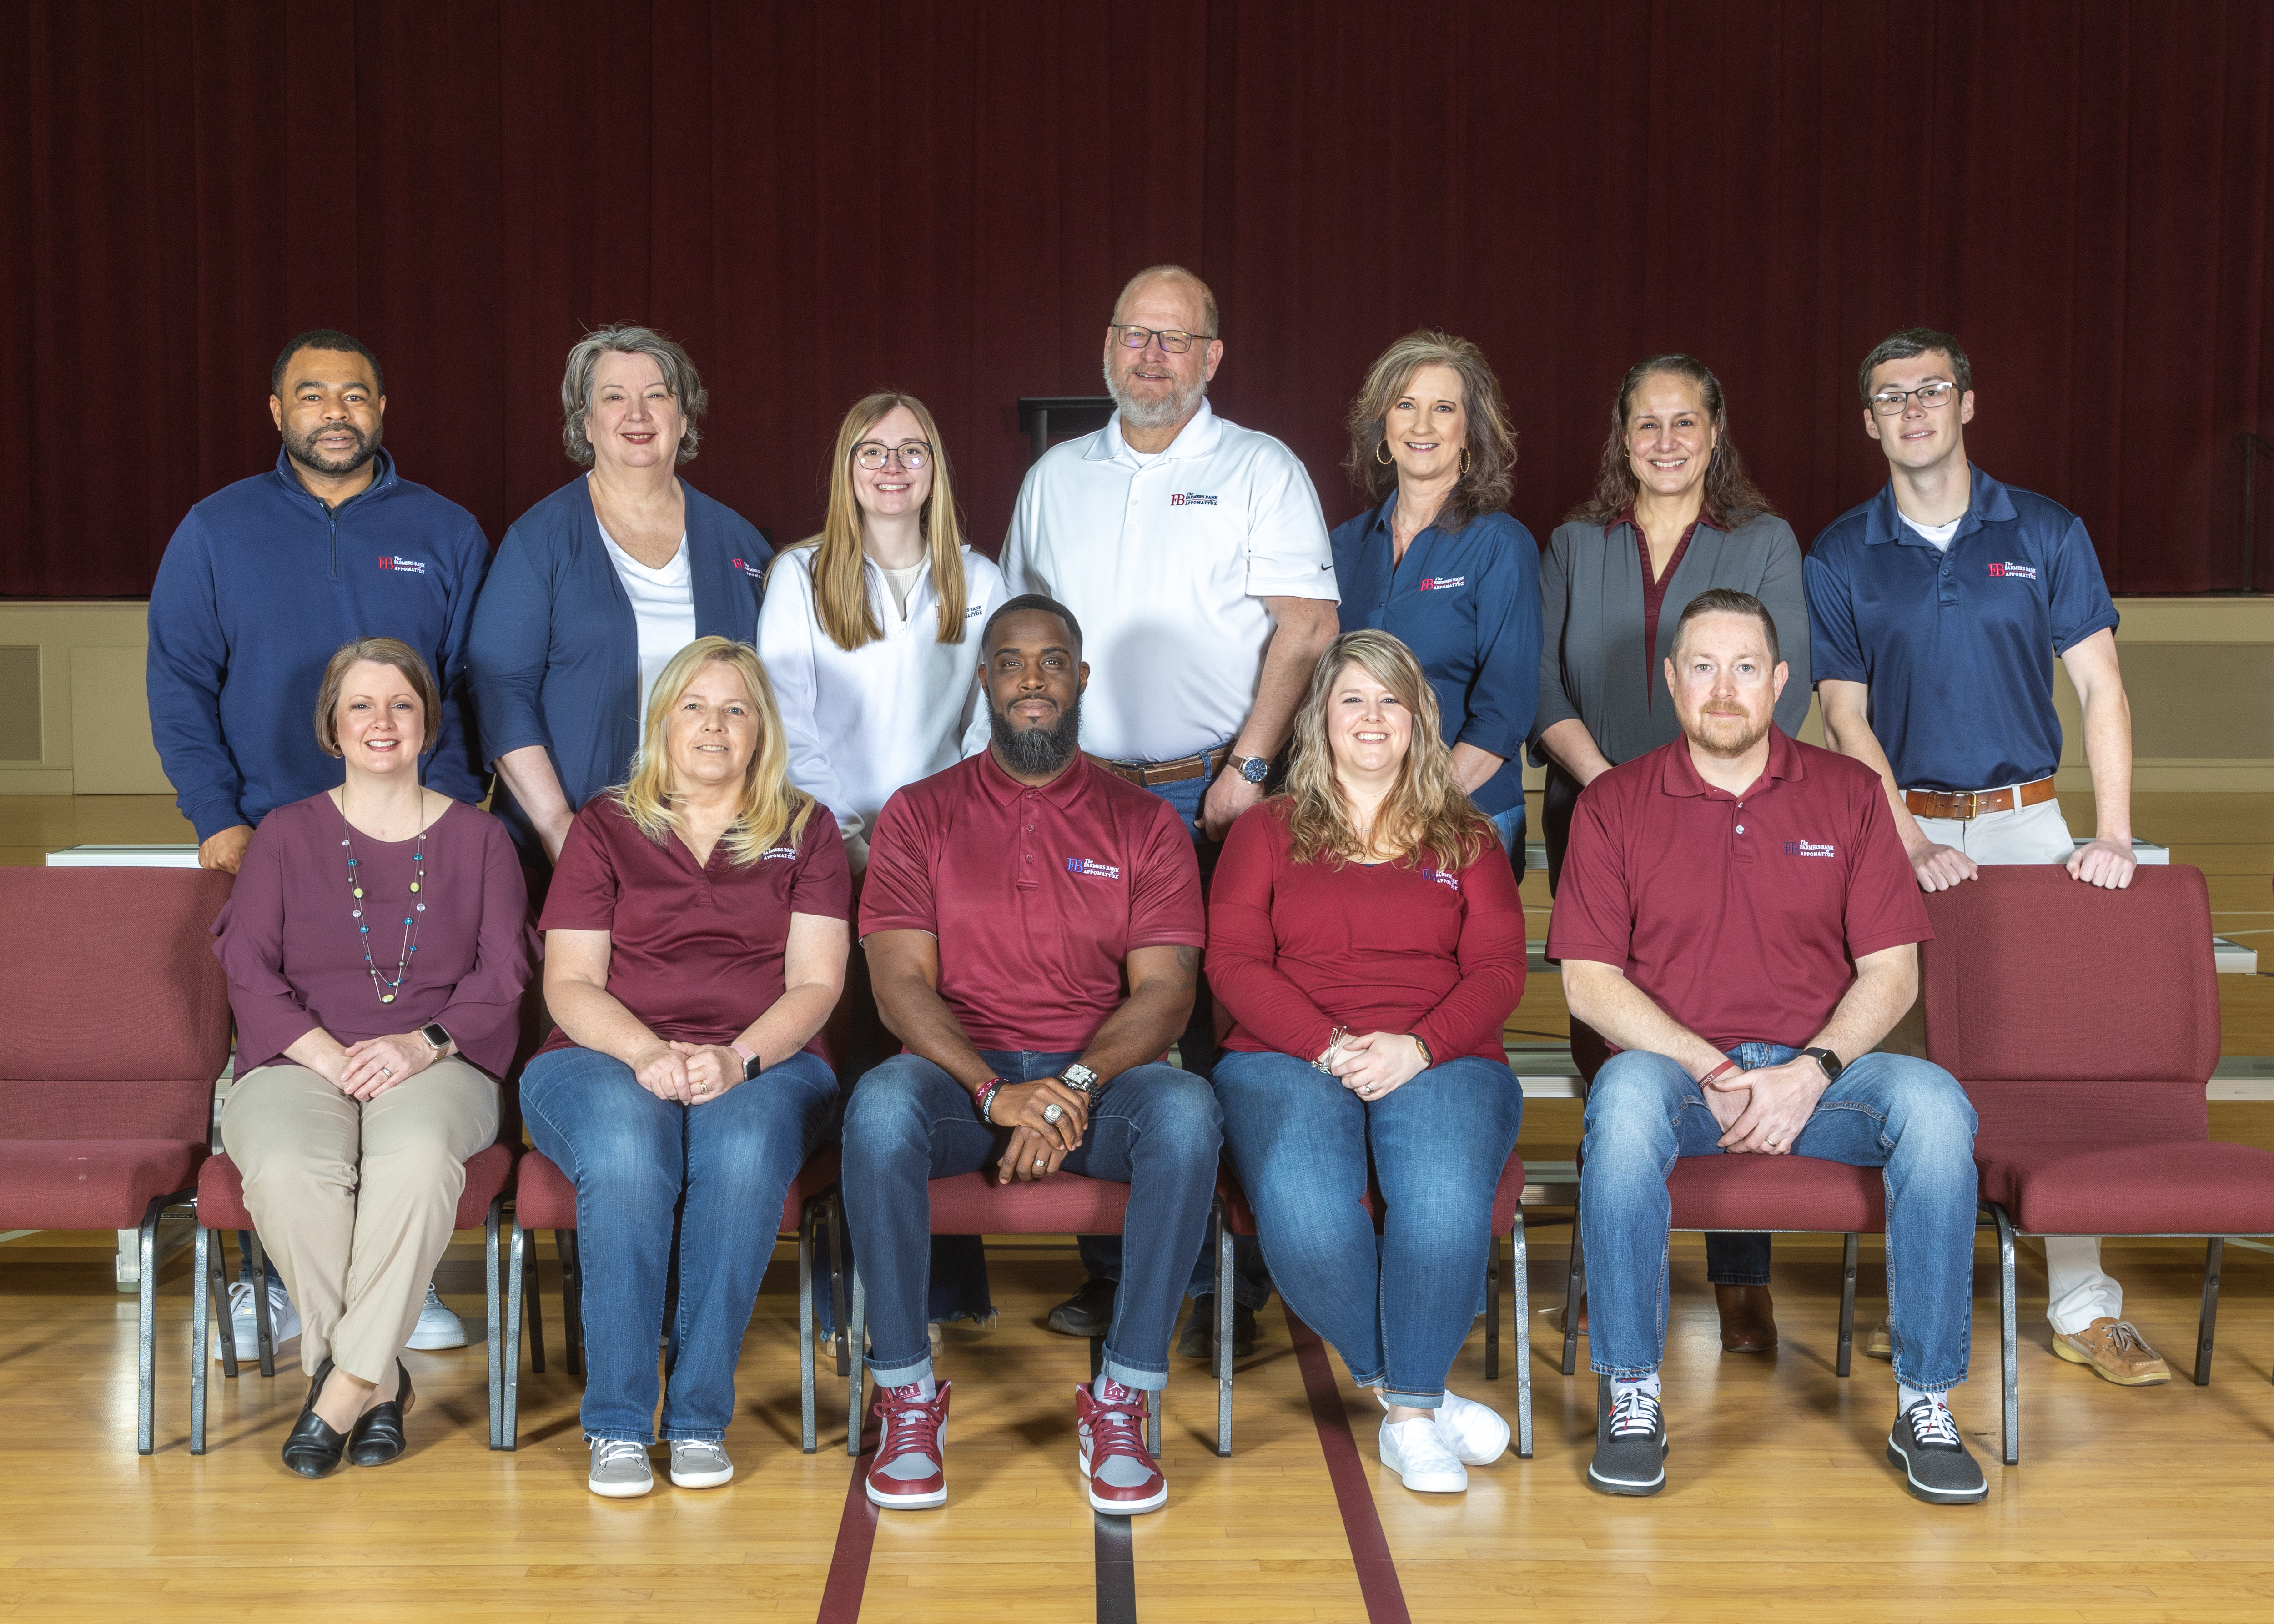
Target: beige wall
<point>2200,671</point>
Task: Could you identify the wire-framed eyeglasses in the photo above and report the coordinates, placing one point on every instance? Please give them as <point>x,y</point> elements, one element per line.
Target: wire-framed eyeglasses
<point>1175,343</point>
<point>912,455</point>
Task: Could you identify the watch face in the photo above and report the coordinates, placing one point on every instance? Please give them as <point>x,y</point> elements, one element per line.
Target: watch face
<point>1255,770</point>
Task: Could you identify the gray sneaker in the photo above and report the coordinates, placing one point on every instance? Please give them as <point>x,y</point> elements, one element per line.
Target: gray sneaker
<point>1925,1442</point>
<point>620,1470</point>
<point>1630,1446</point>
<point>699,1463</point>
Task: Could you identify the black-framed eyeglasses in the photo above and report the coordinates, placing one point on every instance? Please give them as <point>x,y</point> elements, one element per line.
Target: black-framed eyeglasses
<point>911,454</point>
<point>1175,343</point>
<point>1889,402</point>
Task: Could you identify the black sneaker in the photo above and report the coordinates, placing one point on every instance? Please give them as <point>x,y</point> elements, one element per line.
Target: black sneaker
<point>1088,1312</point>
<point>1926,1445</point>
<point>1630,1446</point>
<point>1199,1339</point>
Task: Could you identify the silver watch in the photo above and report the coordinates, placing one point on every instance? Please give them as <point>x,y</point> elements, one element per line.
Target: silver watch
<point>1079,1077</point>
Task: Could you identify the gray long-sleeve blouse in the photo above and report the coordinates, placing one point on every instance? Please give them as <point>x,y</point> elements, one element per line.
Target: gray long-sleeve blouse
<point>1590,655</point>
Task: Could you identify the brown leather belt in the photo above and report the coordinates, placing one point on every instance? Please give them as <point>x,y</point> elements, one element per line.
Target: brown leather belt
<point>1975,803</point>
<point>1145,775</point>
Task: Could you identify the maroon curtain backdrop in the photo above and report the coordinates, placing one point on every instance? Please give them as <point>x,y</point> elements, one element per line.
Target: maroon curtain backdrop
<point>820,199</point>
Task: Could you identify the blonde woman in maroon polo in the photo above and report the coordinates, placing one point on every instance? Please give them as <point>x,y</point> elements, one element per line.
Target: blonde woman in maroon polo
<point>1737,918</point>
<point>1010,902</point>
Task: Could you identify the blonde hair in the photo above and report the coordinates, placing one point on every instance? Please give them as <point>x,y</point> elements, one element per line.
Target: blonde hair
<point>1425,810</point>
<point>840,586</point>
<point>380,651</point>
<point>1489,458</point>
<point>773,812</point>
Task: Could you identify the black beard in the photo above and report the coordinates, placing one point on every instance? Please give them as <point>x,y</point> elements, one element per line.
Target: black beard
<point>1037,752</point>
<point>303,451</point>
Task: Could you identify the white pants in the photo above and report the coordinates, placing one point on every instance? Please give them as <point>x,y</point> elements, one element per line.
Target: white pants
<point>2077,1290</point>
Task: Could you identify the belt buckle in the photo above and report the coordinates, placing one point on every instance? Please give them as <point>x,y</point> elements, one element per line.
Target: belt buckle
<point>1972,811</point>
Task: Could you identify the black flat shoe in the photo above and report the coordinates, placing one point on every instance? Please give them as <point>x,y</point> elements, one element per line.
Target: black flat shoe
<point>314,1449</point>
<point>378,1435</point>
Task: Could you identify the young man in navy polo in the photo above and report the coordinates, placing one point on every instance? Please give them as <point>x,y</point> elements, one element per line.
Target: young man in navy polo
<point>1033,926</point>
<point>1935,611</point>
<point>1737,919</point>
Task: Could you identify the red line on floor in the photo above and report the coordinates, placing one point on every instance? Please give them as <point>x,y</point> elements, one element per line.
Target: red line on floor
<point>856,1537</point>
<point>1377,1574</point>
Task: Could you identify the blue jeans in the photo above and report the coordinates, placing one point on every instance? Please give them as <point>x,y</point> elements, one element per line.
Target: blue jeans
<point>1397,1307</point>
<point>1510,824</point>
<point>726,1166</point>
<point>1906,1115</point>
<point>1157,1129</point>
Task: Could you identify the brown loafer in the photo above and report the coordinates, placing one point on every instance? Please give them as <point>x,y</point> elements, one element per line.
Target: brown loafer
<point>2115,1351</point>
<point>1748,1319</point>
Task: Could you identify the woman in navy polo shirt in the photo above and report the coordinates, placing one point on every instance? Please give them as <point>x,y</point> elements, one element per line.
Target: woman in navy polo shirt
<point>1436,562</point>
<point>1673,514</point>
<point>598,586</point>
<point>695,935</point>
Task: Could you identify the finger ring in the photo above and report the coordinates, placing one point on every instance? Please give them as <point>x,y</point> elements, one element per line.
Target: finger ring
<point>1772,1144</point>
<point>386,1071</point>
<point>1053,1112</point>
<point>1039,1164</point>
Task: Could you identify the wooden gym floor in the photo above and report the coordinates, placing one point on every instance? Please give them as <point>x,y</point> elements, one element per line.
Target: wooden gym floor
<point>2139,1505</point>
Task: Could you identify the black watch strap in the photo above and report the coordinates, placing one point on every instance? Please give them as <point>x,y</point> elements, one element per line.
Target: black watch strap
<point>1832,1063</point>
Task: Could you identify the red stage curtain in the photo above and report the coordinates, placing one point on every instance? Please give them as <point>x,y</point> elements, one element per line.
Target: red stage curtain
<point>820,199</point>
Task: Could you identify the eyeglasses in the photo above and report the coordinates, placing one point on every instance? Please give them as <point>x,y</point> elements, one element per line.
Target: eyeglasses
<point>912,455</point>
<point>1889,402</point>
<point>1175,343</point>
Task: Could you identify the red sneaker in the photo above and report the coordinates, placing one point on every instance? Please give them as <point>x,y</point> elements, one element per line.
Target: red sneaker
<point>910,1471</point>
<point>1123,1476</point>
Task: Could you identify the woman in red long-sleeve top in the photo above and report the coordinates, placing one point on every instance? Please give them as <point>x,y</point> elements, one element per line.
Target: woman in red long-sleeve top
<point>1365,932</point>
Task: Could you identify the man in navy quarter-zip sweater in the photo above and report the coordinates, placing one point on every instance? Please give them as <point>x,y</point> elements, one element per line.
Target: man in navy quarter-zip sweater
<point>260,584</point>
<point>266,577</point>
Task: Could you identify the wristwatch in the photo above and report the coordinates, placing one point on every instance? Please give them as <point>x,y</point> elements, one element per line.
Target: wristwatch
<point>751,1064</point>
<point>1832,1063</point>
<point>437,1040</point>
<point>1254,769</point>
<point>1083,1079</point>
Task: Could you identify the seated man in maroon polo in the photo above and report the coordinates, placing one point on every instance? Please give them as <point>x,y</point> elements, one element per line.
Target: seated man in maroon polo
<point>1033,925</point>
<point>1738,918</point>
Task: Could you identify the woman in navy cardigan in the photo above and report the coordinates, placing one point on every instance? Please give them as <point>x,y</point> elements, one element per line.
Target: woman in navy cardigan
<point>599,584</point>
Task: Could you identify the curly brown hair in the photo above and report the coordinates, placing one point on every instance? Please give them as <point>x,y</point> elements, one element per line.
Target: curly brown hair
<point>1491,474</point>
<point>1731,496</point>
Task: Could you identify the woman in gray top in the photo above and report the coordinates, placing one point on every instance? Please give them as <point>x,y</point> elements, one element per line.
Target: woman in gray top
<point>1673,514</point>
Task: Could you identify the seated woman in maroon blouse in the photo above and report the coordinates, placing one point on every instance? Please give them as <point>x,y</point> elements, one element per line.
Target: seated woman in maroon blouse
<point>1365,932</point>
<point>376,945</point>
<point>695,941</point>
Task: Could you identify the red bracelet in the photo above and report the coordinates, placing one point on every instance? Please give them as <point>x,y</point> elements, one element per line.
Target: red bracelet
<point>1727,1066</point>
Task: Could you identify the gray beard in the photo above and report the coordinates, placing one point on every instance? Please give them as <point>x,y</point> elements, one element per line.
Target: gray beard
<point>1037,752</point>
<point>1152,415</point>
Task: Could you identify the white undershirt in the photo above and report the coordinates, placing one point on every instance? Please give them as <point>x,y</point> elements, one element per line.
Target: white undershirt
<point>1939,534</point>
<point>902,582</point>
<point>663,606</point>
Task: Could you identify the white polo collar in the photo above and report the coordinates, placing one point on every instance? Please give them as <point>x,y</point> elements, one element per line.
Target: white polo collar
<point>1197,439</point>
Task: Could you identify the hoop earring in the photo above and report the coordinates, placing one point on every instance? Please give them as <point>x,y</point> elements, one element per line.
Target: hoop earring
<point>1382,454</point>
<point>1468,459</point>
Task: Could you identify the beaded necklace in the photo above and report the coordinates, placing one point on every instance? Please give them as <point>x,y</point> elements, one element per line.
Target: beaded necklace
<point>387,988</point>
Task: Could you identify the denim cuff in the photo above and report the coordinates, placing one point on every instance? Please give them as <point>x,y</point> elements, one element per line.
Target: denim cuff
<point>1143,1379</point>
<point>1735,1278</point>
<point>900,1375</point>
<point>1928,1386</point>
<point>1415,1401</point>
<point>693,1434</point>
<point>645,1441</point>
<point>1636,1374</point>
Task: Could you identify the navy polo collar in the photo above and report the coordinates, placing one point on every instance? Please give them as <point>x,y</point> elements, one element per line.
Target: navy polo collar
<point>1883,521</point>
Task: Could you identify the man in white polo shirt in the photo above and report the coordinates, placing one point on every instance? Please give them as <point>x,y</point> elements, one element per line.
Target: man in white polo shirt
<point>1195,555</point>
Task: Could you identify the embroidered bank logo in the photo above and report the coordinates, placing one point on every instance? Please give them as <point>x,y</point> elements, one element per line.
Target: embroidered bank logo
<point>1190,499</point>
<point>972,613</point>
<point>403,566</point>
<point>777,850</point>
<point>1808,849</point>
<point>1443,583</point>
<point>1451,882</point>
<point>2012,572</point>
<point>1095,870</point>
<point>748,569</point>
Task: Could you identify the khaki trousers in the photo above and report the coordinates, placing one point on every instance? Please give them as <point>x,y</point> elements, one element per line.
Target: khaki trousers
<point>356,1200</point>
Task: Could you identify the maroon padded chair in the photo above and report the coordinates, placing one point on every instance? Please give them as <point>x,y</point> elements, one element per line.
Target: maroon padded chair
<point>2083,1024</point>
<point>117,1021</point>
<point>1063,1204</point>
<point>221,1206</point>
<point>544,1199</point>
<point>1799,1195</point>
<point>1507,1218</point>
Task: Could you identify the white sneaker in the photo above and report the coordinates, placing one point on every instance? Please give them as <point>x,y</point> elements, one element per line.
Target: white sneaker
<point>283,1319</point>
<point>1417,1451</point>
<point>1473,1432</point>
<point>437,1327</point>
<point>699,1463</point>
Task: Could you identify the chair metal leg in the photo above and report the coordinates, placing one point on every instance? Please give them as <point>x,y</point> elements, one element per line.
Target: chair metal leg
<point>572,1300</point>
<point>1492,1311</point>
<point>202,1289</point>
<point>807,1220</point>
<point>490,1222</point>
<point>509,1423</point>
<point>1518,1264</point>
<point>145,1401</point>
<point>213,1267</point>
<point>264,1328</point>
<point>2009,1341</point>
<point>1155,1404</point>
<point>857,1379</point>
<point>1575,1292</point>
<point>1223,1332</point>
<point>842,1336</point>
<point>1097,1355</point>
<point>531,1270</point>
<point>2214,1250</point>
<point>1847,1304</point>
